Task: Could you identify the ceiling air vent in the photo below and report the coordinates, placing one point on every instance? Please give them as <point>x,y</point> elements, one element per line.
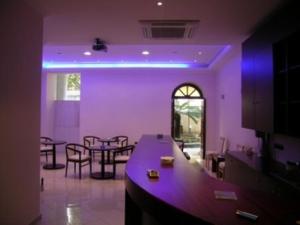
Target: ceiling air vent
<point>168,29</point>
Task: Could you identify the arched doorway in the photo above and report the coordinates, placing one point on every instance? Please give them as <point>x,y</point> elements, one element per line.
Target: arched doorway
<point>188,118</point>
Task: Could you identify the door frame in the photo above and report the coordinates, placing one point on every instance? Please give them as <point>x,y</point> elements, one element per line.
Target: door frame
<point>203,124</point>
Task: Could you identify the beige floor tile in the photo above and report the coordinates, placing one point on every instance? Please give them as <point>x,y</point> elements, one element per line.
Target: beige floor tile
<point>71,201</point>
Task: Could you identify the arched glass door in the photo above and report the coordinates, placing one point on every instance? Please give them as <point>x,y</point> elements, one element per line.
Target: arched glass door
<point>188,118</point>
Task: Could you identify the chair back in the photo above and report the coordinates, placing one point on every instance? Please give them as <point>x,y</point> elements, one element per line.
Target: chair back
<point>90,140</point>
<point>224,145</point>
<point>121,140</point>
<point>126,149</point>
<point>44,147</point>
<point>45,139</point>
<point>76,149</point>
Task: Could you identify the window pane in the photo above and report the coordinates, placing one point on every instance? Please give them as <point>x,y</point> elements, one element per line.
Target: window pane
<point>190,90</point>
<point>73,87</point>
<point>195,94</point>
<point>184,90</point>
<point>68,86</point>
<point>179,93</point>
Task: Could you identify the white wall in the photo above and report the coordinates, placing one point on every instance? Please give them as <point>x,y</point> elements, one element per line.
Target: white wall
<point>138,101</point>
<point>20,85</point>
<point>229,106</point>
<point>59,119</point>
<point>48,96</point>
<point>66,121</point>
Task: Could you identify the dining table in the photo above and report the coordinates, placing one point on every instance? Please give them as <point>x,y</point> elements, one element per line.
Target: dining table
<point>53,165</point>
<point>103,148</point>
<point>107,141</point>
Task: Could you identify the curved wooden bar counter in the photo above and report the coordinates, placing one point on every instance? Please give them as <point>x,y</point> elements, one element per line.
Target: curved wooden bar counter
<point>184,193</point>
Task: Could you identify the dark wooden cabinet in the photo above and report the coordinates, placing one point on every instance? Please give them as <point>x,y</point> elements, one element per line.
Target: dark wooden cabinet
<point>257,85</point>
<point>270,74</point>
<point>246,172</point>
<point>248,85</point>
<point>286,85</point>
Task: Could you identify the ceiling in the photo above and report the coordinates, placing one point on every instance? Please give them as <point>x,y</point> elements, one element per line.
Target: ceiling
<point>70,28</point>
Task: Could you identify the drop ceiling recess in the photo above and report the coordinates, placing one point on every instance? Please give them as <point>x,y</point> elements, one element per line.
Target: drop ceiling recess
<point>168,29</point>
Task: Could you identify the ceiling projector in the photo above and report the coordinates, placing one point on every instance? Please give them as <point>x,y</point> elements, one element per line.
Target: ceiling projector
<point>99,45</point>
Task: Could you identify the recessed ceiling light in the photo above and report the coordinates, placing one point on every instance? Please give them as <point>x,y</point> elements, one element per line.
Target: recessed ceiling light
<point>159,3</point>
<point>199,53</point>
<point>195,60</point>
<point>87,53</point>
<point>145,52</point>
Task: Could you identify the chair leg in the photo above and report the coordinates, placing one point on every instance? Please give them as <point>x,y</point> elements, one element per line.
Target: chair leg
<point>46,157</point>
<point>90,167</point>
<point>114,170</point>
<point>75,167</point>
<point>66,171</point>
<point>79,164</point>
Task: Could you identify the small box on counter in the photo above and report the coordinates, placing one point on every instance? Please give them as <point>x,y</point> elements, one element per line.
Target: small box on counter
<point>167,160</point>
<point>152,173</point>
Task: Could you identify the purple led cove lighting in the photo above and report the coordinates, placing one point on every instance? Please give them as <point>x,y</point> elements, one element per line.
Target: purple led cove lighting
<point>112,65</point>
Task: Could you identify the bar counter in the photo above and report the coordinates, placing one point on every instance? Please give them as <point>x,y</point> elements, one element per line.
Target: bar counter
<point>184,193</point>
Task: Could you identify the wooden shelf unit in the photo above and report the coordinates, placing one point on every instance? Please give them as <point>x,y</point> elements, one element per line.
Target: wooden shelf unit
<point>286,85</point>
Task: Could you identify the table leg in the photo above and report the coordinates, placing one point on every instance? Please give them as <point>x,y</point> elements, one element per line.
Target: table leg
<point>54,156</point>
<point>102,164</point>
<point>54,165</point>
<point>102,174</point>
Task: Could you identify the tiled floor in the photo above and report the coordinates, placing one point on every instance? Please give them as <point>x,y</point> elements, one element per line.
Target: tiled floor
<point>70,201</point>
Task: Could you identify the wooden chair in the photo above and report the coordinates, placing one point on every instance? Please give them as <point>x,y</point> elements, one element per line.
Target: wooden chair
<point>180,144</point>
<point>75,153</point>
<point>121,140</point>
<point>89,141</point>
<point>44,148</point>
<point>121,155</point>
<point>223,146</point>
<point>221,170</point>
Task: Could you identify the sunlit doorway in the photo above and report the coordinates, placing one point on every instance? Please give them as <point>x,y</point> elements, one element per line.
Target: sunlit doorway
<point>188,119</point>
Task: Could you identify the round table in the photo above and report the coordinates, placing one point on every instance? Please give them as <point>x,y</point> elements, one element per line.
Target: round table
<point>107,140</point>
<point>53,165</point>
<point>103,148</point>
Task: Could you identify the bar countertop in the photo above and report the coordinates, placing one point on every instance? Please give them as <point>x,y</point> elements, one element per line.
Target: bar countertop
<point>184,193</point>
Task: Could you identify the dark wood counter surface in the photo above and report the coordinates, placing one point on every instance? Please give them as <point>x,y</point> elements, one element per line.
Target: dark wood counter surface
<point>184,193</point>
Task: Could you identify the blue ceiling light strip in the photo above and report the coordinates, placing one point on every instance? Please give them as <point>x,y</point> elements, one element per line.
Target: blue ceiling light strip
<point>113,65</point>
